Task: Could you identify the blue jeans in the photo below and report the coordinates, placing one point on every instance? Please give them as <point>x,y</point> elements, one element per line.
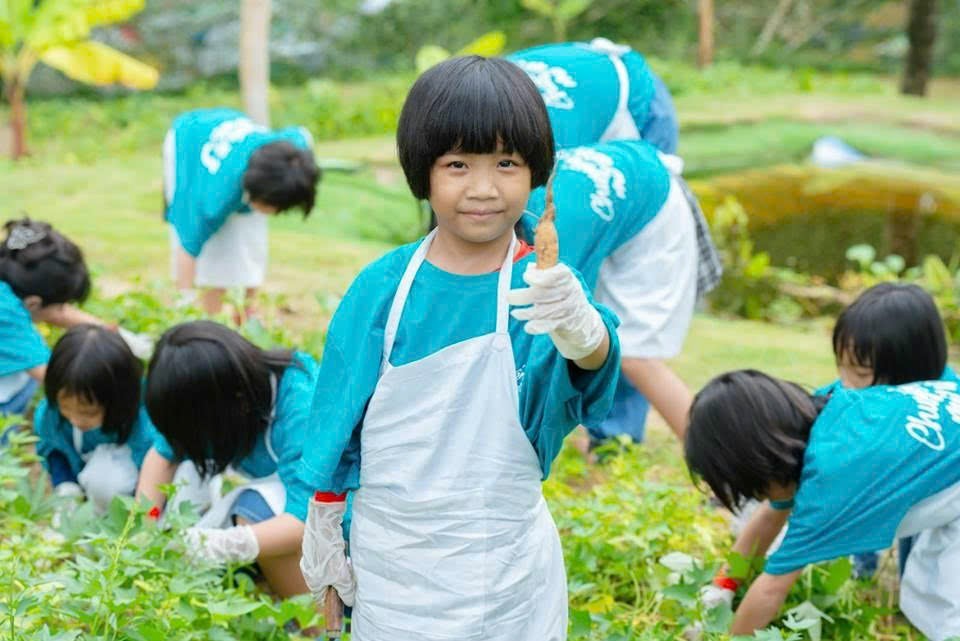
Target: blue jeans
<point>661,129</point>
<point>627,417</point>
<point>250,506</point>
<point>17,404</point>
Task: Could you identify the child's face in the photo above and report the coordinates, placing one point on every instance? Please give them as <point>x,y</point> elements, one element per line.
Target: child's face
<point>853,375</point>
<point>82,414</point>
<point>479,197</point>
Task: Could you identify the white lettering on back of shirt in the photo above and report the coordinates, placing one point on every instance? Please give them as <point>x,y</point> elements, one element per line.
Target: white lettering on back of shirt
<point>925,424</point>
<point>549,81</point>
<point>608,181</point>
<point>222,139</point>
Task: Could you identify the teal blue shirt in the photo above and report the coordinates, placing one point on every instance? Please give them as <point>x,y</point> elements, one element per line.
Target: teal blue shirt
<point>21,346</point>
<point>213,147</point>
<point>872,455</point>
<point>288,432</point>
<point>581,89</point>
<point>55,434</point>
<point>605,195</point>
<point>442,309</point>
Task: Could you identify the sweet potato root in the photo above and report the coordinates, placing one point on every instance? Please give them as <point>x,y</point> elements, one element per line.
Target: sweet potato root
<point>546,243</point>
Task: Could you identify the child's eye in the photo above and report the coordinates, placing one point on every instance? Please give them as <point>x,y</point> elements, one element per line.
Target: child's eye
<point>456,164</point>
<point>508,163</point>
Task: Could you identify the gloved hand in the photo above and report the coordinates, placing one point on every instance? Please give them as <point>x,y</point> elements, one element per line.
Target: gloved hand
<point>69,489</point>
<point>66,490</point>
<point>140,344</point>
<point>186,298</point>
<point>559,307</point>
<point>236,544</point>
<point>713,595</point>
<point>324,562</point>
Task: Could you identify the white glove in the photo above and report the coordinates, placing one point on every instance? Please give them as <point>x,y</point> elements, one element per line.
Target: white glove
<point>713,595</point>
<point>66,490</point>
<point>140,344</point>
<point>324,562</point>
<point>69,489</point>
<point>236,544</point>
<point>559,307</point>
<point>186,298</point>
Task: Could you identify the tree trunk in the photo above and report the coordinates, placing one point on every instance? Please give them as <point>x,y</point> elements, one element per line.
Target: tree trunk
<point>922,33</point>
<point>255,59</point>
<point>15,91</point>
<point>705,52</point>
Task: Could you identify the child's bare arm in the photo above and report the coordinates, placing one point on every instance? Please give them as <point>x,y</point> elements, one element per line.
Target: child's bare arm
<point>762,602</point>
<point>279,536</point>
<point>761,531</point>
<point>156,471</point>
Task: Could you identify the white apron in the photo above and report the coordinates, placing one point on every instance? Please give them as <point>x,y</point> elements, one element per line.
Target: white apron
<point>930,587</point>
<point>451,536</point>
<point>623,126</point>
<point>270,487</point>
<point>108,471</point>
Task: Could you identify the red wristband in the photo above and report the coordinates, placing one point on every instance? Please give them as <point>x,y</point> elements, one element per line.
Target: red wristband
<point>329,497</point>
<point>154,513</point>
<point>726,583</point>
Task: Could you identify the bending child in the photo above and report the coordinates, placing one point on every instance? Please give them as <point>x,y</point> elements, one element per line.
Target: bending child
<point>223,175</point>
<point>441,410</point>
<point>860,468</point>
<point>93,430</point>
<point>220,401</point>
<point>891,335</point>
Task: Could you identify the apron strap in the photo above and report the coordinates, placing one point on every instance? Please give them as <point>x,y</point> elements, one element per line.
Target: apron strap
<point>503,286</point>
<point>400,298</point>
<point>406,282</point>
<point>268,434</point>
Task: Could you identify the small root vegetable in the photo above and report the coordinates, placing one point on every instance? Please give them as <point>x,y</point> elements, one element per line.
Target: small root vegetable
<point>546,243</point>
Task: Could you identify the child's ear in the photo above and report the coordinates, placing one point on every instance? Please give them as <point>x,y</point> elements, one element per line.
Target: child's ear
<point>34,304</point>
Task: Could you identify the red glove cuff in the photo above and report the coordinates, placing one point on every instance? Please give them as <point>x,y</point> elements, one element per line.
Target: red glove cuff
<point>154,513</point>
<point>329,497</point>
<point>726,583</point>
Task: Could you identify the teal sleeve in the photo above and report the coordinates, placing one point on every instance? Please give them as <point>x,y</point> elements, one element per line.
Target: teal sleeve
<point>782,505</point>
<point>290,429</point>
<point>143,437</point>
<point>162,446</point>
<point>44,426</point>
<point>556,395</point>
<point>347,378</point>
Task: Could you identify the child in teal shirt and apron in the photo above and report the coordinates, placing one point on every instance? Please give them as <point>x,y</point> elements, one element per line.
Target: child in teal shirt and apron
<point>93,430</point>
<point>437,406</point>
<point>857,467</point>
<point>219,401</point>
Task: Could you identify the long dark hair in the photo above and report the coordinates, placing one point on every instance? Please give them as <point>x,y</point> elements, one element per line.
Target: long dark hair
<point>93,363</point>
<point>209,392</point>
<point>896,330</point>
<point>746,431</point>
<point>36,260</point>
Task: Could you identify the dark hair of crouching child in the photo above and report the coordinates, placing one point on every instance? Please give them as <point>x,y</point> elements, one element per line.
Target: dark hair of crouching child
<point>284,176</point>
<point>473,105</point>
<point>36,260</point>
<point>93,364</point>
<point>748,431</point>
<point>895,330</point>
<point>209,392</point>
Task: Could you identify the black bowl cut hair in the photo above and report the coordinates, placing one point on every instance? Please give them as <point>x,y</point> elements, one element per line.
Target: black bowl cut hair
<point>50,266</point>
<point>473,104</point>
<point>284,176</point>
<point>895,329</point>
<point>746,431</point>
<point>209,392</point>
<point>94,364</point>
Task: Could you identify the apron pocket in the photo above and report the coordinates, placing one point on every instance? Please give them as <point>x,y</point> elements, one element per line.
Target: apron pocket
<point>420,564</point>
